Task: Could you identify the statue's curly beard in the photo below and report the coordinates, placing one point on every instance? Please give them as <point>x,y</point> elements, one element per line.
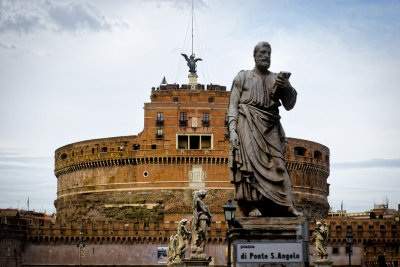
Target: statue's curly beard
<point>262,64</point>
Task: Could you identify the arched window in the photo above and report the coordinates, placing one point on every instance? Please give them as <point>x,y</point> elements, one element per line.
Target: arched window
<point>300,151</point>
<point>317,155</point>
<point>64,156</point>
<point>136,147</point>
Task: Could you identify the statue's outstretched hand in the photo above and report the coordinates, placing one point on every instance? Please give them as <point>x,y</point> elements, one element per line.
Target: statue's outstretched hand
<point>234,139</point>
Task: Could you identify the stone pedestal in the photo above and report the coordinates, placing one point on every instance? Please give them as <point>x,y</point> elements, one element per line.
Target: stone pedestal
<point>192,79</point>
<point>323,263</point>
<point>274,232</point>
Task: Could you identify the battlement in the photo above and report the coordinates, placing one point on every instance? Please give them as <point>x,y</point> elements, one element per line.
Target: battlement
<point>111,231</point>
<point>199,87</point>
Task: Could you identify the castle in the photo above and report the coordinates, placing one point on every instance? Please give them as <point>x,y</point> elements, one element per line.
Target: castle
<point>183,147</point>
<point>120,198</point>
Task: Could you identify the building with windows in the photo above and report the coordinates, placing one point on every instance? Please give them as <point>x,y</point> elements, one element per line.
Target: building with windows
<point>376,237</point>
<point>124,196</point>
<point>183,147</point>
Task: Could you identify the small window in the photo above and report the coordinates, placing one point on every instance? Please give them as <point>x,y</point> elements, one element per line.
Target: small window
<point>81,152</point>
<point>104,149</point>
<point>210,99</point>
<point>153,146</point>
<point>338,228</point>
<point>92,150</point>
<point>183,119</point>
<point>145,174</point>
<point>206,119</point>
<point>160,133</point>
<point>382,227</point>
<point>73,154</point>
<point>300,151</point>
<point>64,156</point>
<point>183,116</point>
<point>136,147</point>
<point>226,134</point>
<point>335,251</point>
<point>359,227</point>
<point>226,119</point>
<point>371,227</point>
<point>317,155</point>
<point>160,119</point>
<point>176,99</point>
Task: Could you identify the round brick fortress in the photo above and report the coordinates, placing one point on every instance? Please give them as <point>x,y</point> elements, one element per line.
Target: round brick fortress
<point>183,147</point>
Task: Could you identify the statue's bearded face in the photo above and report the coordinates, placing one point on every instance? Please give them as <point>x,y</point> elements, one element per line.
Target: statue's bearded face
<point>262,58</point>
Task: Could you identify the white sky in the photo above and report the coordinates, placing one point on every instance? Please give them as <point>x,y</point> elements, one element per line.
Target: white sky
<point>77,70</point>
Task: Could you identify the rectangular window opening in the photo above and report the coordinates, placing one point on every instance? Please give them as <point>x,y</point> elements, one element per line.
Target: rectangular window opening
<point>194,142</point>
<point>182,142</point>
<point>160,133</point>
<point>206,142</point>
<point>160,119</point>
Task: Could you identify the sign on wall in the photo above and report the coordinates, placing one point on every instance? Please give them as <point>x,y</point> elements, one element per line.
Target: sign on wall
<point>269,252</point>
<point>162,255</point>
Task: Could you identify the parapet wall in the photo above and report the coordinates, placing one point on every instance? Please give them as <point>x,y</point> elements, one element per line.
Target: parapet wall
<point>113,232</point>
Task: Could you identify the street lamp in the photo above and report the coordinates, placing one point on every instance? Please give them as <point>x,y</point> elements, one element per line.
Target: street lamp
<point>229,211</point>
<point>349,237</point>
<point>81,247</point>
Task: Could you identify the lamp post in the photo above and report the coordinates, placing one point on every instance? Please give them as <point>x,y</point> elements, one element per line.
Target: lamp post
<point>349,237</point>
<point>81,247</point>
<point>229,211</point>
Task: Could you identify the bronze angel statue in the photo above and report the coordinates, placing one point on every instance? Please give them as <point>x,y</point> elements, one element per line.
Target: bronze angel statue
<point>191,62</point>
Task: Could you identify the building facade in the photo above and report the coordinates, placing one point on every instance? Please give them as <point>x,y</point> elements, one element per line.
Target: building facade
<point>123,196</point>
<point>376,239</point>
<point>183,147</point>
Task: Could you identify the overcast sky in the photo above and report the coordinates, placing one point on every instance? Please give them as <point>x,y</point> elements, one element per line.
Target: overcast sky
<point>78,70</point>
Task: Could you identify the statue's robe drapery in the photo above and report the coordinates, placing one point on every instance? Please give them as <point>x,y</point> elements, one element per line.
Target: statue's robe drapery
<point>258,167</point>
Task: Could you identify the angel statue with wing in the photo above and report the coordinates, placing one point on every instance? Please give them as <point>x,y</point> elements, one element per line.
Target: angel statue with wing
<point>191,62</point>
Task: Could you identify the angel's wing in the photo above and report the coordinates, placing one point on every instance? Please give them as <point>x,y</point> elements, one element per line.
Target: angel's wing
<point>185,56</point>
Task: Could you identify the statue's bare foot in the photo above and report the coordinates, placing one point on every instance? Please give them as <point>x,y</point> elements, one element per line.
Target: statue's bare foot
<point>294,212</point>
<point>255,213</point>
